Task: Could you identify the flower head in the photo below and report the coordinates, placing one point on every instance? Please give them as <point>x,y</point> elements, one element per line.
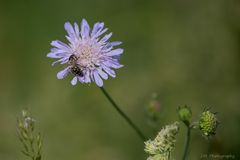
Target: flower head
<point>164,143</point>
<point>88,55</point>
<point>208,123</point>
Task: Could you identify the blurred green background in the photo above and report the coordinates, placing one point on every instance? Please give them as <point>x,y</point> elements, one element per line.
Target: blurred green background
<point>188,52</point>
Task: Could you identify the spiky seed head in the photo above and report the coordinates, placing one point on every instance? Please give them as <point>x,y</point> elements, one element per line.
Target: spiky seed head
<point>208,123</point>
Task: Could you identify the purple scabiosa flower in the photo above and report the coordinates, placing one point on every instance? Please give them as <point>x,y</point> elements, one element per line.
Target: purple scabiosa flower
<point>88,55</point>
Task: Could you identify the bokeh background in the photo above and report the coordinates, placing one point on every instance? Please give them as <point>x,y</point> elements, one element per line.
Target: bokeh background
<point>188,52</point>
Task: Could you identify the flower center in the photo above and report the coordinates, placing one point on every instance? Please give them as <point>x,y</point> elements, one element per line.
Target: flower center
<point>85,54</point>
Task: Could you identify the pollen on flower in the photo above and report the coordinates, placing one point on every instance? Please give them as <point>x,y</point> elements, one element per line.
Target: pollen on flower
<point>89,55</point>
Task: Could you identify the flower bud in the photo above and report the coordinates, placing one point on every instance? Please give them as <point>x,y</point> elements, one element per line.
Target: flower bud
<point>185,114</point>
<point>152,109</point>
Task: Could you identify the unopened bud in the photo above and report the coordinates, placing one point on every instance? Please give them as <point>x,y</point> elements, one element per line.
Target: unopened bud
<point>185,114</point>
<point>153,108</point>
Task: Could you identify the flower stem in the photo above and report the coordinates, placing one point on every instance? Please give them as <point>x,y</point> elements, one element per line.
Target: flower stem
<point>187,142</point>
<point>129,121</point>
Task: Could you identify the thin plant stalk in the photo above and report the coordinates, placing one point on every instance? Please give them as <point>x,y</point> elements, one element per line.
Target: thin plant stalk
<point>129,121</point>
<point>186,147</point>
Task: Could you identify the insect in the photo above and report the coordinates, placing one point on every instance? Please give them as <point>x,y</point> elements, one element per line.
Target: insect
<point>72,59</point>
<point>77,71</point>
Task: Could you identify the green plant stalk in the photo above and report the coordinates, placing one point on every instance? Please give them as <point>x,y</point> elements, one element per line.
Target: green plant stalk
<point>186,147</point>
<point>129,121</point>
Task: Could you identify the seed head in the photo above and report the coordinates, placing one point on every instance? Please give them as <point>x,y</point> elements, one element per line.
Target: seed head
<point>208,123</point>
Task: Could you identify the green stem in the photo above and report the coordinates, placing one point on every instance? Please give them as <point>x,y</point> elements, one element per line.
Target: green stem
<point>137,130</point>
<point>187,143</point>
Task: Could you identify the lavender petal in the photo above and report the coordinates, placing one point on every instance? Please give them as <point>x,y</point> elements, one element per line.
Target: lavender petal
<point>98,79</point>
<point>60,45</point>
<point>102,74</point>
<point>105,38</point>
<point>74,81</point>
<point>85,29</point>
<point>97,28</point>
<point>115,52</point>
<point>109,71</point>
<point>63,73</point>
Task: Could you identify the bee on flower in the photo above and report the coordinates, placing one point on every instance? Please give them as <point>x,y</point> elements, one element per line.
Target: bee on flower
<point>89,56</point>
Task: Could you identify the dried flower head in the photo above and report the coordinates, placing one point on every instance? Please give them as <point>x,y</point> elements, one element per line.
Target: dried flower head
<point>88,55</point>
<point>164,143</point>
<point>208,123</point>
